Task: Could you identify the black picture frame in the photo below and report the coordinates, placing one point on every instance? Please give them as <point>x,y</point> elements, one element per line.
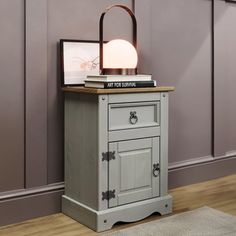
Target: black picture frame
<point>78,58</point>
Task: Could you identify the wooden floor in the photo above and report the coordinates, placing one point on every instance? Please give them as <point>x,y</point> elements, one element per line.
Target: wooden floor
<point>219,194</point>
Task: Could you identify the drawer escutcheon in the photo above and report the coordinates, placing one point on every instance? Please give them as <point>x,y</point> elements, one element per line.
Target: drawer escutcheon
<point>133,119</point>
<point>156,170</point>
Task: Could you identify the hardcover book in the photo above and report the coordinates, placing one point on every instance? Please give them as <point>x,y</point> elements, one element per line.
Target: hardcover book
<point>116,78</point>
<point>119,84</point>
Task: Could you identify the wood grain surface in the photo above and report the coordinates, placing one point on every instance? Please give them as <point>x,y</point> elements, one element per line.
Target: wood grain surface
<point>81,89</point>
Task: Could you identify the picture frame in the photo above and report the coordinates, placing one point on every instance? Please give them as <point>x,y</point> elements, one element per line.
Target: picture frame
<point>79,58</point>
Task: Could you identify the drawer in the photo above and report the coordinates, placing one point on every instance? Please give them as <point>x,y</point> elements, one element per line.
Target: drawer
<point>134,115</point>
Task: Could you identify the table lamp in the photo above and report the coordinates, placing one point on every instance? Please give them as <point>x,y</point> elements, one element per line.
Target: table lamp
<point>118,56</point>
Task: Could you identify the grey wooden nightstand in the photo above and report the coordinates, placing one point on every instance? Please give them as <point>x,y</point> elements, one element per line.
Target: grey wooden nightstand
<point>116,155</point>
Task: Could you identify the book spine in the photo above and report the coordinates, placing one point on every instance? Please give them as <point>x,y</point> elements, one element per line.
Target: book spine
<point>139,84</point>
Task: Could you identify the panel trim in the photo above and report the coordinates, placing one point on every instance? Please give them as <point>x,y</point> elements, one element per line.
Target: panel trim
<point>190,162</point>
<point>24,93</point>
<point>200,160</point>
<point>29,192</point>
<point>102,148</point>
<point>212,78</point>
<point>27,207</point>
<point>200,172</point>
<point>35,93</point>
<point>12,95</point>
<point>164,144</point>
<point>119,135</point>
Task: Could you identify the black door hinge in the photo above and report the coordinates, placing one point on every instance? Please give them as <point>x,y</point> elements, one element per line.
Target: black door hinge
<point>107,156</point>
<point>108,195</point>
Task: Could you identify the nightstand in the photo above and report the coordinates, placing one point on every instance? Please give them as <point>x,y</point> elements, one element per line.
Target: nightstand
<point>116,155</point>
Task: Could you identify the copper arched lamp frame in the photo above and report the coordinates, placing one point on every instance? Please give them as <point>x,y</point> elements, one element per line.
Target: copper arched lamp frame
<point>119,71</point>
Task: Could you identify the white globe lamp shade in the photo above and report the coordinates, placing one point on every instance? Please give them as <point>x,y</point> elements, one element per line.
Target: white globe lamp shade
<point>119,54</point>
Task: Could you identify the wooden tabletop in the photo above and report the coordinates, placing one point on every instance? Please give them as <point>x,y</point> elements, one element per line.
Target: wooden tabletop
<point>82,89</point>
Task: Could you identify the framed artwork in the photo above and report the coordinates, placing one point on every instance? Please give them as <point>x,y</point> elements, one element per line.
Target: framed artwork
<point>79,58</point>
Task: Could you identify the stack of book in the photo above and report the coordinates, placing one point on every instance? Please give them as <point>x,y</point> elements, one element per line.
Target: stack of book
<point>119,81</point>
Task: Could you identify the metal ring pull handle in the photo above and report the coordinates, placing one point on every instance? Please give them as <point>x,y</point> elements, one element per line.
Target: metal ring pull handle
<point>156,170</point>
<point>133,119</point>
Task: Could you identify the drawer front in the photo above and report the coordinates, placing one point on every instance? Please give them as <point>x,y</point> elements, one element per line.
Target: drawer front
<point>134,115</point>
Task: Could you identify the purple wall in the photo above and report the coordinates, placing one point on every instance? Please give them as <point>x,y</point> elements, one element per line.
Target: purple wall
<point>174,44</point>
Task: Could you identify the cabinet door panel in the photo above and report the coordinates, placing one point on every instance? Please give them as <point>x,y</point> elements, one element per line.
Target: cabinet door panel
<point>135,169</point>
<point>130,174</point>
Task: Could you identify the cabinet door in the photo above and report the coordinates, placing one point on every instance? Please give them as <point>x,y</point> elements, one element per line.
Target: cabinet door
<point>131,173</point>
